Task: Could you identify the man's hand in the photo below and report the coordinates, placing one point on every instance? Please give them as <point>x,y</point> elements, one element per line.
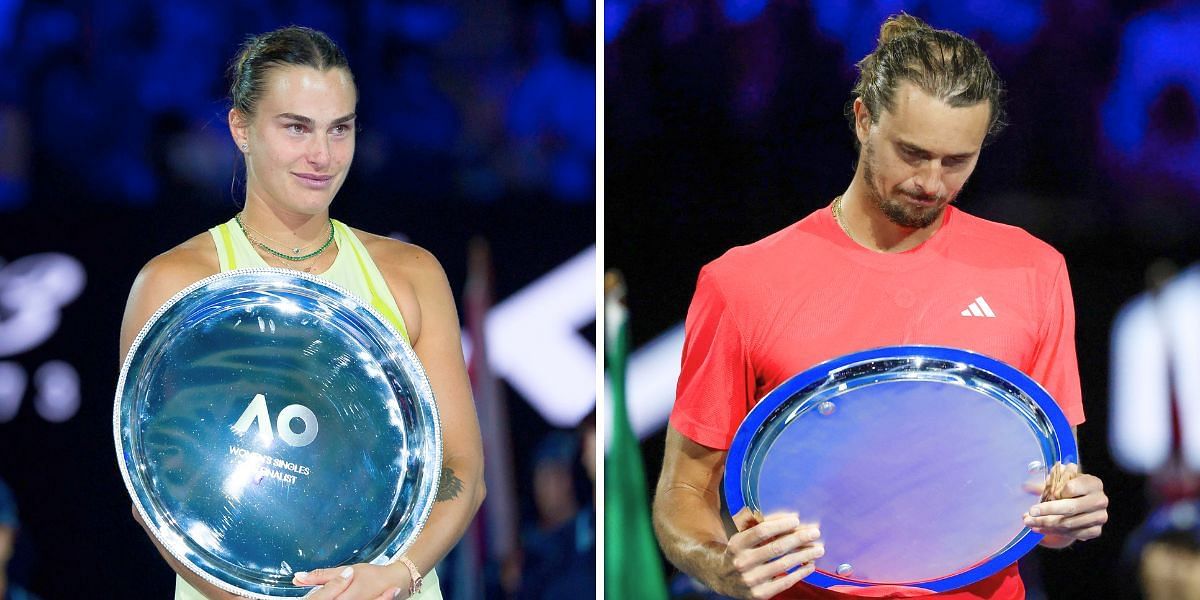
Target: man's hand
<point>752,563</point>
<point>1078,514</point>
<point>760,555</point>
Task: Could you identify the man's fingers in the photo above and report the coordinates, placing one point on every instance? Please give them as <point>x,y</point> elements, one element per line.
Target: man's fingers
<point>762,532</point>
<point>1080,513</point>
<point>1062,508</point>
<point>1066,525</point>
<point>1083,526</point>
<point>766,572</point>
<point>1083,485</point>
<point>1079,487</point>
<point>775,587</point>
<point>1085,520</point>
<point>1079,534</point>
<point>1037,523</point>
<point>1093,501</point>
<point>745,519</point>
<point>777,548</point>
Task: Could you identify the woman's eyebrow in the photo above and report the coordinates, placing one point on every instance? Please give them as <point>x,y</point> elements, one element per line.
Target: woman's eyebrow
<point>308,121</point>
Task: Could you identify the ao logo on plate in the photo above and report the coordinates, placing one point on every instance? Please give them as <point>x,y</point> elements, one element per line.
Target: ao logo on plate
<point>256,411</point>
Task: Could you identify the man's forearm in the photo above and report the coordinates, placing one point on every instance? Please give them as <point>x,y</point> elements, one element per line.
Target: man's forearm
<point>692,536</point>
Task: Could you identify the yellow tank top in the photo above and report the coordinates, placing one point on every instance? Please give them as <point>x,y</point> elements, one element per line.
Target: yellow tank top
<point>353,270</point>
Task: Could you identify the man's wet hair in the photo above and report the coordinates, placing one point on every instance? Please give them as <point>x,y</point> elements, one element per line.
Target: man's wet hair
<point>939,62</point>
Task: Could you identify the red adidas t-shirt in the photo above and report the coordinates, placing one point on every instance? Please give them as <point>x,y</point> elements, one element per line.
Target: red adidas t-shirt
<point>809,293</point>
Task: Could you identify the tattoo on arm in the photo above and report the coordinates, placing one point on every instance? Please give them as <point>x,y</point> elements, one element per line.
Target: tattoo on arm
<point>450,487</point>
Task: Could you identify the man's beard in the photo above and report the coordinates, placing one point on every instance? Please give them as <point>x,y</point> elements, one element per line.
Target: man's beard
<point>897,211</point>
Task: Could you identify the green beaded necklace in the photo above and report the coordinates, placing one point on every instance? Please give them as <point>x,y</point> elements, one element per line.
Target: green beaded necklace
<point>279,254</point>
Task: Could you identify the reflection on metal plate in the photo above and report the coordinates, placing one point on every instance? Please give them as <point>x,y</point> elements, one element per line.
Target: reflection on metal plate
<point>915,460</point>
<point>266,422</point>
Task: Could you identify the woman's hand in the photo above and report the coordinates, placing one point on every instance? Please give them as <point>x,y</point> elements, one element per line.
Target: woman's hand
<point>357,582</point>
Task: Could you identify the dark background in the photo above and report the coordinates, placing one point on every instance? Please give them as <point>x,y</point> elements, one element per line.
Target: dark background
<point>477,119</point>
<point>723,123</point>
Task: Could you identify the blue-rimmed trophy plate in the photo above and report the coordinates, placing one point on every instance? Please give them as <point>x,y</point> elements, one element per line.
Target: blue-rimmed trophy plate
<point>915,460</point>
<point>267,422</point>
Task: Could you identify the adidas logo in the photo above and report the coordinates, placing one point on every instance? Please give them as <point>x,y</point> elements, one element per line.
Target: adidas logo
<point>978,308</point>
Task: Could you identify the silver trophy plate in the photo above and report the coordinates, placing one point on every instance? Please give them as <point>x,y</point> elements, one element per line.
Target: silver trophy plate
<point>267,422</point>
<point>915,460</point>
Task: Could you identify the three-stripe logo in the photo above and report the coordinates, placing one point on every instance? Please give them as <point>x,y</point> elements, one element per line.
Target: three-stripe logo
<point>978,308</point>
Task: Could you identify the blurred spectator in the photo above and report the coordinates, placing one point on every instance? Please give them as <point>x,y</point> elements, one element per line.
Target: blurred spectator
<point>1165,552</point>
<point>560,550</point>
<point>9,526</point>
<point>587,447</point>
<point>1155,428</point>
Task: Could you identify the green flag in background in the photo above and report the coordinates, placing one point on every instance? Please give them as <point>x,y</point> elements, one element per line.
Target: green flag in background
<point>632,567</point>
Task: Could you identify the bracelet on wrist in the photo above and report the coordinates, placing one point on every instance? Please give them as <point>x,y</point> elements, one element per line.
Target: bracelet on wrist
<point>414,584</point>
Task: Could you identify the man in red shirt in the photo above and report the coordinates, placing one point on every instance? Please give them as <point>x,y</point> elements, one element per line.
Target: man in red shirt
<point>889,262</point>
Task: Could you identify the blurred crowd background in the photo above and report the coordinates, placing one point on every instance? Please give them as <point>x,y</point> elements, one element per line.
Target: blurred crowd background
<point>724,123</point>
<point>477,141</point>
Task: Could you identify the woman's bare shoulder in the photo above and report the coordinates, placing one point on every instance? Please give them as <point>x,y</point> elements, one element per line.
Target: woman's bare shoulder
<point>164,276</point>
<point>179,267</point>
<point>394,256</point>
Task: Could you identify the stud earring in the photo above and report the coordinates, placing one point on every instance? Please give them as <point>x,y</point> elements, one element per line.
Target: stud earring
<point>245,147</point>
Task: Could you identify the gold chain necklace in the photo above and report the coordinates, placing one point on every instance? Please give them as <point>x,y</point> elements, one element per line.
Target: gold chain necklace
<point>837,216</point>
